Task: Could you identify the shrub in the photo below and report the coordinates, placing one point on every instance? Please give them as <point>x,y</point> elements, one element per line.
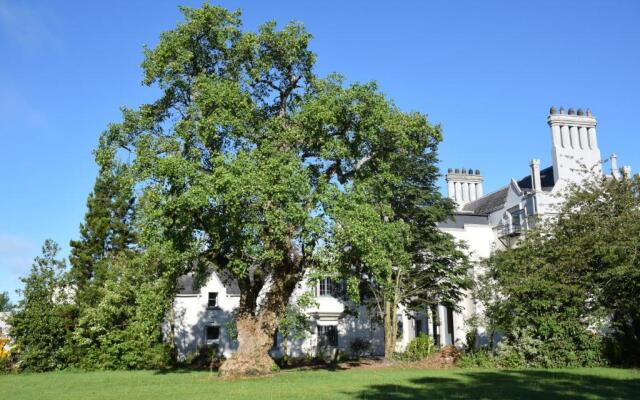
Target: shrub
<point>6,364</point>
<point>419,348</point>
<point>480,358</point>
<point>359,347</point>
<point>207,357</point>
<point>566,348</point>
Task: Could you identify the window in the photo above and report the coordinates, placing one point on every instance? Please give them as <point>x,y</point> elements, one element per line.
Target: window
<point>213,300</point>
<point>516,221</point>
<point>400,330</point>
<point>212,333</point>
<point>328,335</point>
<point>450,327</point>
<point>325,287</point>
<point>418,327</point>
<point>329,287</point>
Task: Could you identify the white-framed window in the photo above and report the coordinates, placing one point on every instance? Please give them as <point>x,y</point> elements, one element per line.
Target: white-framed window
<point>212,334</point>
<point>212,300</point>
<point>326,287</point>
<point>328,335</point>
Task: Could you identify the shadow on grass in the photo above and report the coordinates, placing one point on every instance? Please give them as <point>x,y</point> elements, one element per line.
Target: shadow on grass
<point>531,384</point>
<point>183,370</point>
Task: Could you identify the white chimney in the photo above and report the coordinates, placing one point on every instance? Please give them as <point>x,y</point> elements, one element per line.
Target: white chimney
<point>464,186</point>
<point>615,171</point>
<point>536,183</point>
<point>575,145</point>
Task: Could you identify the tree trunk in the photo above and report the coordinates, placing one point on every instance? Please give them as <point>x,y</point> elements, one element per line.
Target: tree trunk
<point>390,330</point>
<point>256,330</point>
<point>255,336</point>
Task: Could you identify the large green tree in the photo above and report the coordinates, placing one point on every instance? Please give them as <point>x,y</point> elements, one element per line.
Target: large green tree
<point>387,242</point>
<point>243,158</point>
<point>576,275</point>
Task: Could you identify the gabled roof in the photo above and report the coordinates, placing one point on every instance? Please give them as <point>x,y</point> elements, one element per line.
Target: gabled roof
<point>546,179</point>
<point>489,203</point>
<point>186,284</point>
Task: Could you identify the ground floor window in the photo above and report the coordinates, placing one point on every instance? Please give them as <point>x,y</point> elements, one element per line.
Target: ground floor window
<point>450,327</point>
<point>328,335</point>
<point>418,327</point>
<point>400,330</point>
<point>212,334</point>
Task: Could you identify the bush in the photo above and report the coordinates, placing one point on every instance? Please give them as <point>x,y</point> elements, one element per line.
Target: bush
<point>6,363</point>
<point>123,330</point>
<point>481,358</point>
<point>207,357</point>
<point>359,347</point>
<point>419,348</point>
<point>566,348</point>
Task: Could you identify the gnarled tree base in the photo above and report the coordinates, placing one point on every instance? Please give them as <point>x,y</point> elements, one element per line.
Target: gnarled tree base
<point>242,366</point>
<point>252,357</point>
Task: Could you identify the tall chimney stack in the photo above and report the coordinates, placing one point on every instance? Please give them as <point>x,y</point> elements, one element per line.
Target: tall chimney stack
<point>575,145</point>
<point>464,186</point>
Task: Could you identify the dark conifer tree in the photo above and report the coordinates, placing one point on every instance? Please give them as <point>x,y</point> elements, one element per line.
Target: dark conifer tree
<point>106,230</point>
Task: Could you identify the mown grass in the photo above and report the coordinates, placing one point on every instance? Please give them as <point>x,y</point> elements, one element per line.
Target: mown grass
<point>375,383</point>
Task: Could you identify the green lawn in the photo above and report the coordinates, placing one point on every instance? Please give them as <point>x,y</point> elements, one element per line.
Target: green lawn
<point>379,383</point>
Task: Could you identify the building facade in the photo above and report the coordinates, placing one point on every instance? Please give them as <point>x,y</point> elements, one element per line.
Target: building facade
<point>484,222</point>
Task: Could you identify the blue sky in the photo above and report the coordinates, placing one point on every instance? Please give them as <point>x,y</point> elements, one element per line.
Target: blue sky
<point>488,71</point>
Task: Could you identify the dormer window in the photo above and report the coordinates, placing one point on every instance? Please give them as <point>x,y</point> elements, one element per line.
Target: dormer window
<point>212,301</point>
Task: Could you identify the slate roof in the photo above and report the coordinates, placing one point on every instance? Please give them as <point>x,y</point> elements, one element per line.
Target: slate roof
<point>546,179</point>
<point>494,201</point>
<point>186,284</point>
<point>489,203</point>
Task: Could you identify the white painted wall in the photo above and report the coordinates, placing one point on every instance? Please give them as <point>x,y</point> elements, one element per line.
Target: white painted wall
<point>191,316</point>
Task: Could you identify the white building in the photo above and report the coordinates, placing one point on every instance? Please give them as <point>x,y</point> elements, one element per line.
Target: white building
<point>483,222</point>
